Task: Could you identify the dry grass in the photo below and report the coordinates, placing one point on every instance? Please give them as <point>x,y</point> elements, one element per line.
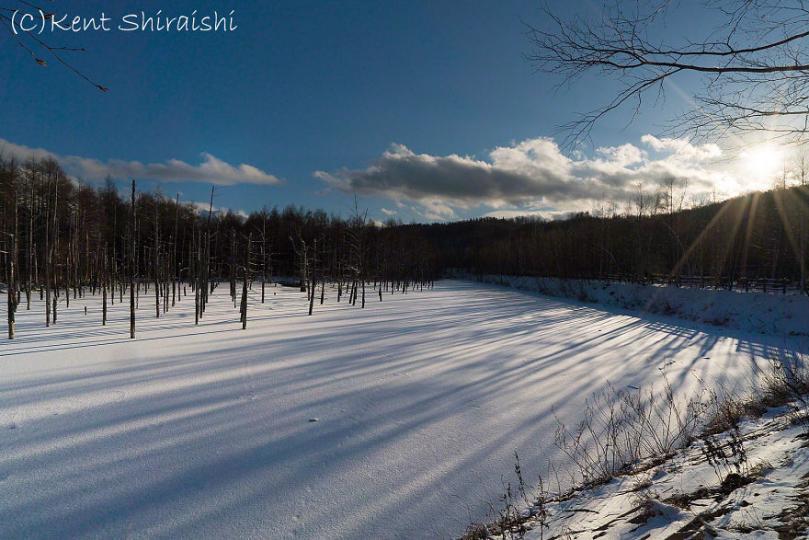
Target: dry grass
<point>621,429</point>
<point>621,432</point>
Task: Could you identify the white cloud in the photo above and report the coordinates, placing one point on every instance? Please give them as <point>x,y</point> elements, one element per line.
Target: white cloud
<point>682,147</point>
<point>535,174</point>
<point>210,170</point>
<point>436,210</point>
<point>622,156</point>
<point>202,209</point>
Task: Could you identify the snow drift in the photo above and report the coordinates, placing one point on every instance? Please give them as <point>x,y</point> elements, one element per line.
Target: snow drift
<point>775,314</point>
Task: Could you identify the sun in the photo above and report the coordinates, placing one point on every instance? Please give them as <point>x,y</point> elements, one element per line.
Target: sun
<point>762,162</point>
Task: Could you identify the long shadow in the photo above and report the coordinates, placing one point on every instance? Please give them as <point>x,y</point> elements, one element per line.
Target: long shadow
<point>420,401</point>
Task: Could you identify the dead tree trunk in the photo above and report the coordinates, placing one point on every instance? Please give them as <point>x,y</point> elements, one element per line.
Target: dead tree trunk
<point>30,249</point>
<point>233,266</point>
<point>55,246</point>
<point>244,299</point>
<point>339,281</point>
<point>132,256</point>
<point>104,279</point>
<point>51,213</point>
<point>206,283</point>
<point>12,283</point>
<point>198,279</point>
<point>156,261</point>
<point>246,277</point>
<point>313,280</point>
<point>263,253</point>
<point>175,284</point>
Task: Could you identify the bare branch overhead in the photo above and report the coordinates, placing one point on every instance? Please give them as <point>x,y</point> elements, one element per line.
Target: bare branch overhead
<point>754,66</point>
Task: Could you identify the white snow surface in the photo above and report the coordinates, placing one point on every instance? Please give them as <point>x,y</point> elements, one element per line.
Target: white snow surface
<point>765,313</point>
<point>420,402</point>
<point>690,496</point>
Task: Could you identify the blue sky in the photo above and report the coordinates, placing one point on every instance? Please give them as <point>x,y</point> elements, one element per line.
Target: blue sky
<point>308,86</point>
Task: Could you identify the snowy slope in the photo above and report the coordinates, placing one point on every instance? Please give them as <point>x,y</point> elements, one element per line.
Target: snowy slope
<point>771,313</point>
<point>749,483</point>
<point>420,403</point>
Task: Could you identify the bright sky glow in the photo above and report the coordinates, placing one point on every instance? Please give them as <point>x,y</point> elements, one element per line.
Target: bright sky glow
<point>763,163</point>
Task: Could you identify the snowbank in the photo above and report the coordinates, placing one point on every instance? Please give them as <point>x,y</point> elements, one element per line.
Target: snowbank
<point>749,312</point>
<point>745,483</point>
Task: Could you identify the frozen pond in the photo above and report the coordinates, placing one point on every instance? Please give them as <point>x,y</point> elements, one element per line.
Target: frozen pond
<point>396,421</point>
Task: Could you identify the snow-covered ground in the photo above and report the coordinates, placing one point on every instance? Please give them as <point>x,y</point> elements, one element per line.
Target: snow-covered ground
<point>396,421</point>
<point>748,483</point>
<point>766,313</point>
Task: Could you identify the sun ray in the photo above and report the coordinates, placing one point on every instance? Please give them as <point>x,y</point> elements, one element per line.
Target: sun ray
<point>755,198</point>
<point>778,198</point>
<point>700,237</point>
<point>727,248</point>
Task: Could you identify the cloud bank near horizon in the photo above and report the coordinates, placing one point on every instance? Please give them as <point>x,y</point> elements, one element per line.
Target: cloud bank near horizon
<point>210,170</point>
<point>531,177</point>
<point>534,174</point>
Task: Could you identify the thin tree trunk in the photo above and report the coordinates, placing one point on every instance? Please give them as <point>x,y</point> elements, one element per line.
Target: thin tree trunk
<point>30,249</point>
<point>175,284</point>
<point>156,261</point>
<point>12,295</point>
<point>244,299</point>
<point>198,279</point>
<point>263,254</point>
<point>104,278</point>
<point>132,256</point>
<point>313,279</point>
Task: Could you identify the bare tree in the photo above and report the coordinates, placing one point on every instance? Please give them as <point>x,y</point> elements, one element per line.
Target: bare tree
<point>356,238</point>
<point>302,256</point>
<point>313,280</point>
<point>30,259</point>
<point>175,278</point>
<point>246,279</point>
<point>263,252</point>
<point>133,254</point>
<point>156,257</point>
<point>12,292</point>
<point>104,282</point>
<point>72,232</point>
<point>33,44</point>
<point>755,63</point>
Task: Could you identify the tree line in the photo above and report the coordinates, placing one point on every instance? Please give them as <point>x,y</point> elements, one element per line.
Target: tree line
<point>62,239</point>
<point>756,236</point>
